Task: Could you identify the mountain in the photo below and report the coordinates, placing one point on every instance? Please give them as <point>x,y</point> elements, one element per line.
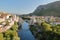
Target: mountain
<point>51,9</point>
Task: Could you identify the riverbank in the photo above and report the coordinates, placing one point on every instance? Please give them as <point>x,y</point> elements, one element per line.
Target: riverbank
<point>45,31</point>
<point>35,31</point>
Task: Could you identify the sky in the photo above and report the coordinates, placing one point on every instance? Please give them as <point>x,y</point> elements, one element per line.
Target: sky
<point>21,6</point>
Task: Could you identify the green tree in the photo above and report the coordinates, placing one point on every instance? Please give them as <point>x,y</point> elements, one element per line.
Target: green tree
<point>46,27</point>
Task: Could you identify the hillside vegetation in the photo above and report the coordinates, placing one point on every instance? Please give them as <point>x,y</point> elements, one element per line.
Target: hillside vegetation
<point>51,9</point>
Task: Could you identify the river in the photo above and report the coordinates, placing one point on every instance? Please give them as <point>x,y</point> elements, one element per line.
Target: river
<point>25,33</point>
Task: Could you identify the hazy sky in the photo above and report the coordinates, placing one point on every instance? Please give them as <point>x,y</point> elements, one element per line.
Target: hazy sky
<point>21,6</point>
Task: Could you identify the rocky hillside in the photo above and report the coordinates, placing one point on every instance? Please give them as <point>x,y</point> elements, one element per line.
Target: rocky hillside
<point>51,9</point>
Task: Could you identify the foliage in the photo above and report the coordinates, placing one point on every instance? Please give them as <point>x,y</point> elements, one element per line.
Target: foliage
<point>1,36</point>
<point>47,32</point>
<point>46,27</point>
<point>15,26</point>
<point>7,23</point>
<point>10,34</point>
